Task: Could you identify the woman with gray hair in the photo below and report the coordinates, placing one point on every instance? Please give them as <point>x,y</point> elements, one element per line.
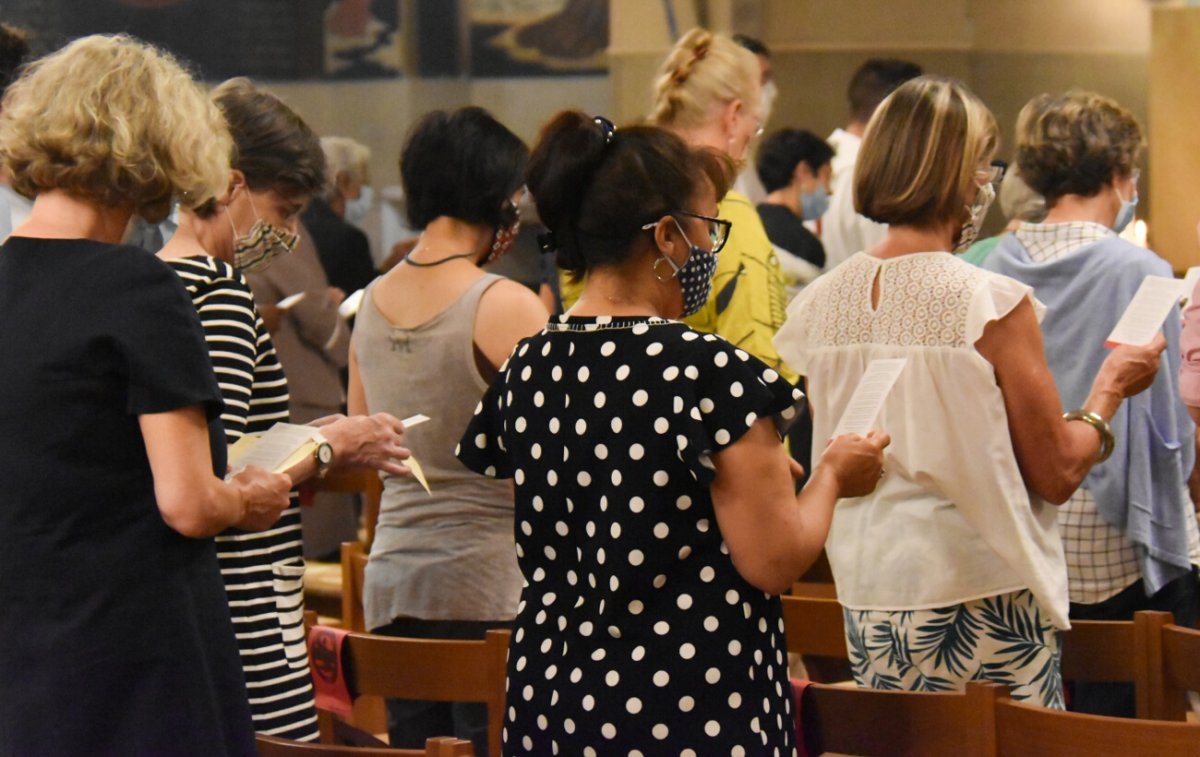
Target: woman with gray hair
<point>1129,527</point>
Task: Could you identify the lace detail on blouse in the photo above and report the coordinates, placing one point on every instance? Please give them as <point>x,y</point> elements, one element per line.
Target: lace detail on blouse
<point>924,300</point>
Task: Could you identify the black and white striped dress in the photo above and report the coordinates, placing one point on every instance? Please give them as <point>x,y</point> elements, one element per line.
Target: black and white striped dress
<point>262,570</point>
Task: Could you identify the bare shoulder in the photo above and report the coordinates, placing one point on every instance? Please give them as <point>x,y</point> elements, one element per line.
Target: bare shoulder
<point>510,299</point>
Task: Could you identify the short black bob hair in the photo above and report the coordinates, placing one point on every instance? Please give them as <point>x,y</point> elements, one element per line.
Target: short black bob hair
<point>463,164</point>
<point>782,151</point>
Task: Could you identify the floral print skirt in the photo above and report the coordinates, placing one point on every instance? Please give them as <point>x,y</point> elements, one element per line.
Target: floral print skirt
<point>1006,638</point>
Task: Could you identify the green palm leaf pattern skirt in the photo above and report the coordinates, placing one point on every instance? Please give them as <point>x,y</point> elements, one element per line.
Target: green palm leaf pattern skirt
<point>1005,638</point>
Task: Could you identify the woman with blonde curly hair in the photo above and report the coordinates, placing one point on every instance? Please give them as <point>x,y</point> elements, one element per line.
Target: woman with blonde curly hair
<point>1129,528</point>
<point>952,569</point>
<point>708,92</point>
<point>109,423</point>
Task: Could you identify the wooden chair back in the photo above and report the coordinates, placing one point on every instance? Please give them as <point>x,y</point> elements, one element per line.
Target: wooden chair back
<point>354,568</point>
<point>362,481</point>
<point>273,746</point>
<point>1098,651</point>
<point>431,669</point>
<point>870,722</point>
<point>1173,661</point>
<point>814,626</point>
<point>1023,730</point>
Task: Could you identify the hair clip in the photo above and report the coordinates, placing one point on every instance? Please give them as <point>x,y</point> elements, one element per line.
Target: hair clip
<point>547,243</point>
<point>608,128</point>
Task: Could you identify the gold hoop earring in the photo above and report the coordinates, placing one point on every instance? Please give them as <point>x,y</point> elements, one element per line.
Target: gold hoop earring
<point>657,275</point>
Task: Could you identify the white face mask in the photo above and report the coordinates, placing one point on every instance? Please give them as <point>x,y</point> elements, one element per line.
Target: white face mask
<point>357,209</point>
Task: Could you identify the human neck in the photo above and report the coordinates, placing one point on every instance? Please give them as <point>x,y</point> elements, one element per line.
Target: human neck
<point>200,236</point>
<point>58,215</point>
<point>857,128</point>
<point>1100,208</point>
<point>449,239</point>
<point>904,240</point>
<point>709,135</point>
<point>337,203</point>
<point>629,290</point>
<point>788,197</point>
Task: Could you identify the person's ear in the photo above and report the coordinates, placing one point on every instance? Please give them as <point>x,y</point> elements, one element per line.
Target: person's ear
<point>729,117</point>
<point>237,182</point>
<point>803,175</point>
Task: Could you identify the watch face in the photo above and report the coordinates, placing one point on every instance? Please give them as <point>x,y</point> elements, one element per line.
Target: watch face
<point>325,453</point>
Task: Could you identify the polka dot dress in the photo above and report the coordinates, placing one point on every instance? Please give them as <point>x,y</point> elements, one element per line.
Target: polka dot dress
<point>635,634</point>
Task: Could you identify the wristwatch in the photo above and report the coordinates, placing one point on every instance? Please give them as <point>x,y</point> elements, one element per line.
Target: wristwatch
<point>323,455</point>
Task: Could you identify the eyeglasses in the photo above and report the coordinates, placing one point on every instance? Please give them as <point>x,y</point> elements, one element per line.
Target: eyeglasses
<point>718,228</point>
<point>994,173</point>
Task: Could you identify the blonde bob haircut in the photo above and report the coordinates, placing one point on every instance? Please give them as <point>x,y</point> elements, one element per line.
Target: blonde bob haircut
<point>115,122</point>
<point>701,74</point>
<point>1075,144</point>
<point>920,154</point>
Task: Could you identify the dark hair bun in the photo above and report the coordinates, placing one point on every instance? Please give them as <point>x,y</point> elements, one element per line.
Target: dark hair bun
<point>570,149</point>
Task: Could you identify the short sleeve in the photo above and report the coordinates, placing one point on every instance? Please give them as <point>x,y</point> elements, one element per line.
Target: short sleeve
<point>159,336</point>
<point>483,448</point>
<point>1189,342</point>
<point>995,297</point>
<point>733,390</point>
<point>791,341</point>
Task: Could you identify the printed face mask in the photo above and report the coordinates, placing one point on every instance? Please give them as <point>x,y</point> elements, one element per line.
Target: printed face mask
<point>256,249</point>
<point>976,213</point>
<point>504,236</point>
<point>694,276</point>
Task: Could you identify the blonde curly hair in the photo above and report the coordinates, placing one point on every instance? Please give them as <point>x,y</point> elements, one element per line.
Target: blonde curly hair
<point>703,72</point>
<point>116,122</point>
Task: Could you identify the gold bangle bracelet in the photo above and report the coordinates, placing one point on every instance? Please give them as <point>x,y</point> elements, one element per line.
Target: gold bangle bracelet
<point>1107,440</point>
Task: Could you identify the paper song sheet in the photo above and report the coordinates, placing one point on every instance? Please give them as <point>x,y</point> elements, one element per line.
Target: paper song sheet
<point>1147,311</point>
<point>868,397</point>
<point>349,307</point>
<point>414,420</point>
<point>290,301</point>
<point>273,448</point>
<point>1190,279</point>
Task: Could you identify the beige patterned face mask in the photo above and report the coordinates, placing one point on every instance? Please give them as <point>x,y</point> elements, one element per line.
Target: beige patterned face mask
<point>259,246</point>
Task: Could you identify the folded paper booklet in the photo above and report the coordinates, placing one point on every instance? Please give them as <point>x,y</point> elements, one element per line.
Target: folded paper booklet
<point>286,445</point>
<point>280,448</point>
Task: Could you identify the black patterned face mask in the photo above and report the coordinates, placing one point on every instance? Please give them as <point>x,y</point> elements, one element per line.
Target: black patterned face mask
<point>694,276</point>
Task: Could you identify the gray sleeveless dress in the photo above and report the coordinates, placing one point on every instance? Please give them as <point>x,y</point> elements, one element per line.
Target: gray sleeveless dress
<point>448,555</point>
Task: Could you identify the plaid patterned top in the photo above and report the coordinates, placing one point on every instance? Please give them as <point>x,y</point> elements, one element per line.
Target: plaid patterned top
<point>1100,560</point>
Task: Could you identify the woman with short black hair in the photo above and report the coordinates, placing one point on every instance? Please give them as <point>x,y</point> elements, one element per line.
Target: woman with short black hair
<point>430,335</point>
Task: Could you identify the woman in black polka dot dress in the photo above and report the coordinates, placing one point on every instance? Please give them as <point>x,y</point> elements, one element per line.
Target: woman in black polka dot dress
<point>655,513</point>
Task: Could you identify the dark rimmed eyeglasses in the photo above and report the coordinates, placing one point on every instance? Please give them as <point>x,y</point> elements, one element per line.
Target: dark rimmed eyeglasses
<point>994,173</point>
<point>718,228</point>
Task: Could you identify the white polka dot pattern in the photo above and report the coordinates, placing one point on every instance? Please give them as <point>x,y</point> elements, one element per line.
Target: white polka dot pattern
<point>633,619</point>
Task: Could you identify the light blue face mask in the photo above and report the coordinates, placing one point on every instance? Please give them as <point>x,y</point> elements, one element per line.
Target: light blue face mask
<point>814,204</point>
<point>1125,214</point>
<point>356,210</point>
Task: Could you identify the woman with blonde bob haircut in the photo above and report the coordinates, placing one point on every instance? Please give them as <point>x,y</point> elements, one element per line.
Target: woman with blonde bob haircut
<point>1130,528</point>
<point>109,422</point>
<point>952,570</point>
<point>708,92</point>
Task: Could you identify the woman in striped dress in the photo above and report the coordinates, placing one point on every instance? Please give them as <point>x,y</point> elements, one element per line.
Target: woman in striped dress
<point>278,166</point>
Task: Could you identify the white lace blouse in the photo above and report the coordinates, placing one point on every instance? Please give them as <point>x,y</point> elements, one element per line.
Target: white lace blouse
<point>952,520</point>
